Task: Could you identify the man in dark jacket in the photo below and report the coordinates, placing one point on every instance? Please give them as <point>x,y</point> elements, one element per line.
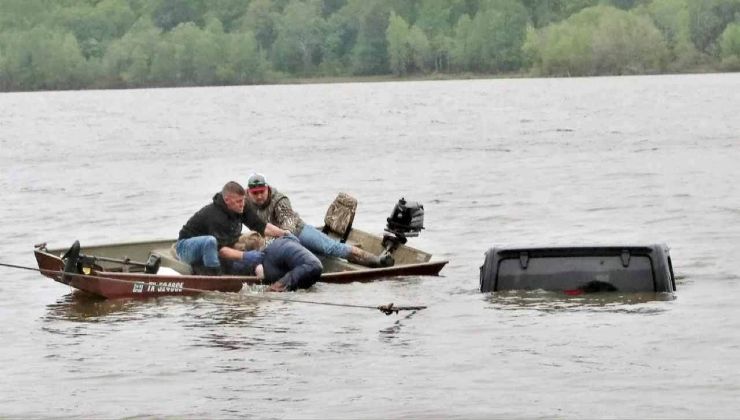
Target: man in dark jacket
<point>209,235</point>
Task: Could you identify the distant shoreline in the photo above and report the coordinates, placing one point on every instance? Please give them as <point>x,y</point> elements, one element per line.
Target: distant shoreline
<point>376,79</point>
<point>463,76</point>
<point>94,45</point>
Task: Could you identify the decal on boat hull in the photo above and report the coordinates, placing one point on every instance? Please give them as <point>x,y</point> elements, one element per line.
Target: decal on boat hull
<point>158,287</point>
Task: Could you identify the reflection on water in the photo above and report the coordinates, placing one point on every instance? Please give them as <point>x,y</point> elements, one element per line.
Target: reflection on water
<point>208,309</point>
<point>224,321</point>
<point>216,320</point>
<point>547,301</point>
<point>392,334</point>
<point>217,309</point>
<point>77,306</point>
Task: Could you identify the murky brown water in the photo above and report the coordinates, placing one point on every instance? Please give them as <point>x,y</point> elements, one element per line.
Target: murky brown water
<point>542,161</point>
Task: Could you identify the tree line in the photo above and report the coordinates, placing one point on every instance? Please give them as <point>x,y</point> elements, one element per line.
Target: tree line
<point>74,44</point>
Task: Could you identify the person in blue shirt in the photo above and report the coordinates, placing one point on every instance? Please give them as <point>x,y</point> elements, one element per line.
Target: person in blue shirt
<point>284,262</point>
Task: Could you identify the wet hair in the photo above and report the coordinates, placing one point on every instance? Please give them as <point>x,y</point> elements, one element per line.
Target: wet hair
<point>251,241</point>
<point>232,187</point>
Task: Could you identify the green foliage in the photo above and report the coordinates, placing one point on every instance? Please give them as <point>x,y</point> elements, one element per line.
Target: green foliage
<point>493,40</point>
<point>708,19</point>
<point>624,4</point>
<point>545,12</point>
<point>129,59</point>
<point>730,47</point>
<point>260,19</point>
<point>95,26</point>
<point>300,35</point>
<point>599,40</point>
<point>435,22</point>
<point>433,17</point>
<point>68,44</point>
<point>671,17</point>
<point>187,55</point>
<point>462,51</point>
<point>329,7</point>
<point>246,64</point>
<point>41,59</point>
<point>420,49</point>
<point>228,12</point>
<point>408,47</point>
<point>627,44</point>
<point>168,14</point>
<point>370,54</point>
<point>22,14</point>
<point>398,47</point>
<point>341,33</point>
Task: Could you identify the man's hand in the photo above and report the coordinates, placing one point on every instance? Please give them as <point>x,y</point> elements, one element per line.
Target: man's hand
<point>274,231</point>
<point>276,287</point>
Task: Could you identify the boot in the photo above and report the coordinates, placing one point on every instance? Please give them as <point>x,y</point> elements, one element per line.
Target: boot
<point>386,259</point>
<point>362,257</point>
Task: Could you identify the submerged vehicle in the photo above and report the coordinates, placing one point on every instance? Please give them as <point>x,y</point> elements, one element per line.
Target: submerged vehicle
<point>581,269</point>
<point>151,268</point>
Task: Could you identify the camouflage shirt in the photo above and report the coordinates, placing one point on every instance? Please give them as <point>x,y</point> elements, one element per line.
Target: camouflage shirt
<point>277,210</point>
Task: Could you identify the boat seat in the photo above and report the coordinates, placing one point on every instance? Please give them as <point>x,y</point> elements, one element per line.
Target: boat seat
<point>169,259</point>
<point>340,215</point>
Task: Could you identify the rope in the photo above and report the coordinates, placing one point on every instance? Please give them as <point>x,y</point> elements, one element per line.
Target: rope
<point>386,309</point>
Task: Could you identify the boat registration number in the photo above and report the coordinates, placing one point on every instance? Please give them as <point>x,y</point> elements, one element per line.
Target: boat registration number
<point>158,287</point>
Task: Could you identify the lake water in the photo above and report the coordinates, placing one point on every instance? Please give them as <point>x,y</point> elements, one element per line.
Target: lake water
<point>495,162</point>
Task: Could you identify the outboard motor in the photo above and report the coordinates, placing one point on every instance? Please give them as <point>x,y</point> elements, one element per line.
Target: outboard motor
<point>407,220</point>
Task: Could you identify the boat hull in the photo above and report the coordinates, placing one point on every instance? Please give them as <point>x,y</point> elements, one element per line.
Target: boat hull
<point>113,285</point>
<point>106,283</point>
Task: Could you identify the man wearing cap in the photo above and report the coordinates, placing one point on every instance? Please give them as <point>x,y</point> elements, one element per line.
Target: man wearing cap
<point>274,207</point>
<point>209,235</point>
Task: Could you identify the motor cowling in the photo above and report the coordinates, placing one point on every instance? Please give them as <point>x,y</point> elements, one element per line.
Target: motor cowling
<point>407,218</point>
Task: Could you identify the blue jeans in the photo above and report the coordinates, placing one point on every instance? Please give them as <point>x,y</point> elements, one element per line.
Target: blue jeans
<point>198,250</point>
<point>317,242</point>
<point>287,261</point>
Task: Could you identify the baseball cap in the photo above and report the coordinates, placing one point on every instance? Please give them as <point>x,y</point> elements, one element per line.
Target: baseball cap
<point>257,182</point>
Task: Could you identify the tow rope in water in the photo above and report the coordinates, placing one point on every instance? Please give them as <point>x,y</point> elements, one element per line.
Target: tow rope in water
<point>386,309</point>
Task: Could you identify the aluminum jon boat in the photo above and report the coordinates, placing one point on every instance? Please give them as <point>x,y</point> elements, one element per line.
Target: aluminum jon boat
<point>148,269</point>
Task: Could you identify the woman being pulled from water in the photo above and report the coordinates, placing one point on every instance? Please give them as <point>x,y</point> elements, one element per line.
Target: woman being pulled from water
<point>284,262</point>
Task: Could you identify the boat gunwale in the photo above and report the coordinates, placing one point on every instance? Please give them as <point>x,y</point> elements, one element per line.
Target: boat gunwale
<point>338,275</point>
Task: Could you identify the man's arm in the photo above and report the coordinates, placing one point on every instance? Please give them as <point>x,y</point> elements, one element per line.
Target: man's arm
<point>249,257</point>
<point>274,231</point>
<point>285,216</point>
<point>228,253</point>
<point>251,220</point>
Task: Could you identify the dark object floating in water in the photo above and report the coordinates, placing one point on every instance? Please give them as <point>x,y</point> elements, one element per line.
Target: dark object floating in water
<point>576,270</point>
